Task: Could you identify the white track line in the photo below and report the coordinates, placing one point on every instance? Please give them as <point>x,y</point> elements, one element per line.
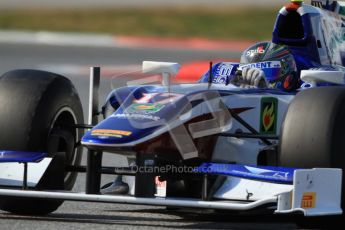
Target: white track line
<point>56,38</point>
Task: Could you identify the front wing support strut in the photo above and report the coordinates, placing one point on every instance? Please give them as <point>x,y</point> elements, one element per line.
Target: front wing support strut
<point>94,158</point>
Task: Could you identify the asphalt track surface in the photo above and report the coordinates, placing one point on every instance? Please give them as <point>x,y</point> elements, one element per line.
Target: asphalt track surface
<point>79,215</point>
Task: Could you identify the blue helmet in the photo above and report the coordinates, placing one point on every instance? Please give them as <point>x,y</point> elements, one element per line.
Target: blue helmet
<point>276,61</point>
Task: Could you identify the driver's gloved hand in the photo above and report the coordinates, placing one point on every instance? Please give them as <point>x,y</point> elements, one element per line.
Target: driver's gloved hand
<point>250,78</point>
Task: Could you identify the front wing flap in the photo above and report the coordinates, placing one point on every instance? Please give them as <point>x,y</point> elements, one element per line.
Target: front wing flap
<point>315,192</point>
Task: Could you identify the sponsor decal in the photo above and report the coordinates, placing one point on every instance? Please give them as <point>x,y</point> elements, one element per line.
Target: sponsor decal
<point>223,71</point>
<point>308,200</point>
<point>259,50</point>
<point>161,98</point>
<point>161,187</point>
<point>262,65</point>
<point>268,173</point>
<point>146,98</point>
<point>135,116</point>
<point>268,115</point>
<point>145,108</point>
<point>110,133</point>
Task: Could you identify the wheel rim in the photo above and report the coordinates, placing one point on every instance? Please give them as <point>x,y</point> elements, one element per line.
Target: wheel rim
<point>62,127</point>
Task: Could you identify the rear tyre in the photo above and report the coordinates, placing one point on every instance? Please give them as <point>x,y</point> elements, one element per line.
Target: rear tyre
<point>38,111</point>
<point>313,131</point>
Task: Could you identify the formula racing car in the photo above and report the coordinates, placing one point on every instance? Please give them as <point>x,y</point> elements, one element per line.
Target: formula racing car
<point>220,143</point>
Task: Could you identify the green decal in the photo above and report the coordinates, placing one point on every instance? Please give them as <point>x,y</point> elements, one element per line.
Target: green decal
<point>145,108</point>
<point>268,115</point>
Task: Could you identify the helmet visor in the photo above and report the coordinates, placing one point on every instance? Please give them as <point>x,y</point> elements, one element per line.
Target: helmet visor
<point>272,69</point>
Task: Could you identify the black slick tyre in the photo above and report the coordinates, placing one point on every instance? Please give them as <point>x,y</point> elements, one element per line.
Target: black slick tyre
<point>38,112</point>
<point>313,131</point>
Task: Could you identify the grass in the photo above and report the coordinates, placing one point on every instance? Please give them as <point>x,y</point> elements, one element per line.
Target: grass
<point>240,23</point>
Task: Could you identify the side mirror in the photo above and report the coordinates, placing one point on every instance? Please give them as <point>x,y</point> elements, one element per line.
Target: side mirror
<point>166,69</point>
<point>321,76</point>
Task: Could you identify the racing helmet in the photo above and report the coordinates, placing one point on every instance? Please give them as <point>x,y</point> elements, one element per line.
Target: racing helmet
<point>276,61</point>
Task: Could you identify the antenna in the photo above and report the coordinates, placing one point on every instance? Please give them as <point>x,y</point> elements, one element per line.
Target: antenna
<point>227,80</point>
<point>210,77</point>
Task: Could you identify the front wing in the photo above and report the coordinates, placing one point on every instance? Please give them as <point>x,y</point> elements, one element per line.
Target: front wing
<point>314,192</point>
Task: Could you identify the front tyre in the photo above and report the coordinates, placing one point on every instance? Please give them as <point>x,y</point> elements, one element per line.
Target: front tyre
<point>38,112</point>
<point>313,131</point>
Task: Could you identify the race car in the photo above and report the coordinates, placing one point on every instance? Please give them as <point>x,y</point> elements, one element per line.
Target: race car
<point>213,144</point>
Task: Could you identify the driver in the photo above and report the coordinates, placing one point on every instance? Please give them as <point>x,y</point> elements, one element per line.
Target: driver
<point>267,65</point>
